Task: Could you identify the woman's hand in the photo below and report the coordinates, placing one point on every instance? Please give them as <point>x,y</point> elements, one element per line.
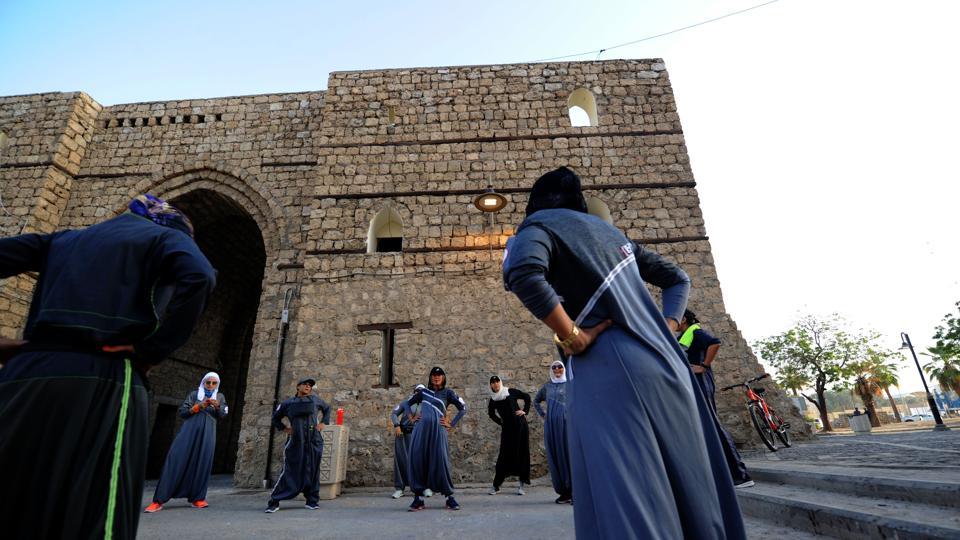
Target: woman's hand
<point>519,413</point>
<point>398,432</point>
<point>673,325</point>
<point>697,369</point>
<point>586,337</point>
<point>444,422</point>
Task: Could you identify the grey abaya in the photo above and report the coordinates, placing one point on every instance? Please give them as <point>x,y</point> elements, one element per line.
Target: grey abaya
<point>642,445</point>
<point>186,471</point>
<point>400,416</point>
<point>555,435</point>
<point>429,451</point>
<point>303,450</point>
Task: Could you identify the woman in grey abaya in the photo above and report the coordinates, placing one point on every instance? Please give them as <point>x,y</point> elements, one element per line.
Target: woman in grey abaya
<point>640,441</point>
<point>429,451</point>
<point>186,471</point>
<point>402,419</point>
<point>555,431</point>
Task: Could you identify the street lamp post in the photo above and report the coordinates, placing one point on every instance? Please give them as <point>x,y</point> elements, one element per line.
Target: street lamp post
<point>933,404</point>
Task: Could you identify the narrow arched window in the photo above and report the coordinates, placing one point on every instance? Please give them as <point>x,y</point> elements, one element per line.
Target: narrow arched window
<point>582,108</point>
<point>596,207</point>
<point>4,140</point>
<point>386,232</point>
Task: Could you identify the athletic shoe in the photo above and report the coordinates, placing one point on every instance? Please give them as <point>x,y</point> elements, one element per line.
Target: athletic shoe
<point>427,493</point>
<point>154,507</point>
<point>452,503</point>
<point>520,490</point>
<point>199,504</point>
<point>311,506</point>
<point>494,490</point>
<point>417,504</point>
<point>272,506</point>
<point>748,483</point>
<point>564,499</point>
<point>397,494</point>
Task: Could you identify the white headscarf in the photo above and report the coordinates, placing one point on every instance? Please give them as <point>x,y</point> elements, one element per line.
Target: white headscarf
<point>555,379</point>
<point>212,375</point>
<point>502,394</point>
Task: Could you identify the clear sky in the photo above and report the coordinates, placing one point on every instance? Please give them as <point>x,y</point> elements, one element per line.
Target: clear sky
<point>820,131</point>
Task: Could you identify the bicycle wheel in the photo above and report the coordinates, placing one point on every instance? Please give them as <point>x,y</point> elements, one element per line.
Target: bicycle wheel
<point>782,428</point>
<point>763,429</point>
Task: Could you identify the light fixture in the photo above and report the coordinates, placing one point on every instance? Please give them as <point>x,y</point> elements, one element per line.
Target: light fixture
<point>489,201</point>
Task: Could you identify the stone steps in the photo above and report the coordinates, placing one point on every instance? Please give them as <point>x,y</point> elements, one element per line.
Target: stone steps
<point>828,501</point>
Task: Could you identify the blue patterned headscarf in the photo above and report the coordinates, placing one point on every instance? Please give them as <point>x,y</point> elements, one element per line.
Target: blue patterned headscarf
<point>160,212</point>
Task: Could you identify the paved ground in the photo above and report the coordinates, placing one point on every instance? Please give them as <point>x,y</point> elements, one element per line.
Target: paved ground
<point>362,513</point>
<point>371,513</point>
<point>910,450</point>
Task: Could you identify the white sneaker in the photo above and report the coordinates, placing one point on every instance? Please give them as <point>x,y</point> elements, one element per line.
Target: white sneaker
<point>397,494</point>
<point>427,493</point>
<point>520,490</point>
<point>748,483</point>
<point>494,490</point>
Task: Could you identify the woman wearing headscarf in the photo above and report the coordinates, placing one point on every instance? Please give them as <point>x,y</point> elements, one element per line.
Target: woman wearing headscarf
<point>640,442</point>
<point>111,300</point>
<point>514,456</point>
<point>555,431</point>
<point>186,471</point>
<point>429,448</point>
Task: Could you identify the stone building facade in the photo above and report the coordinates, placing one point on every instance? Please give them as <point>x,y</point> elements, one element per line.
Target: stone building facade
<point>292,194</point>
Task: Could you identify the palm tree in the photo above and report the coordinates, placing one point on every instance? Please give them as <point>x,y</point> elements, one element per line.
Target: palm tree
<point>886,376</point>
<point>945,367</point>
<point>865,386</point>
<point>872,377</point>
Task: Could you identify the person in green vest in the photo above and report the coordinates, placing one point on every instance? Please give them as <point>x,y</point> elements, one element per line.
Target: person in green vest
<point>701,348</point>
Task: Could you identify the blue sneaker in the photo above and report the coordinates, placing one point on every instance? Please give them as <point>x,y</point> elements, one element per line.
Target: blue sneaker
<point>417,504</point>
<point>452,503</point>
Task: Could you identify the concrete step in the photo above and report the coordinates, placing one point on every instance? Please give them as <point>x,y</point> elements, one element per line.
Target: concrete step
<point>900,485</point>
<point>761,529</point>
<point>842,515</point>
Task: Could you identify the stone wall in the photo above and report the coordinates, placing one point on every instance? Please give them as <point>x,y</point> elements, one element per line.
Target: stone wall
<point>285,187</point>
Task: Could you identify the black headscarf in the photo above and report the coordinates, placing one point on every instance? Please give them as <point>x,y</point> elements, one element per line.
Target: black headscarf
<point>559,188</point>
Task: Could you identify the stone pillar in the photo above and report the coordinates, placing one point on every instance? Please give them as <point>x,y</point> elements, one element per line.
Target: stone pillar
<point>333,464</point>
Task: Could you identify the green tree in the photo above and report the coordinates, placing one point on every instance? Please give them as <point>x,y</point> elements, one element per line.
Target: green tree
<point>885,374</point>
<point>945,367</point>
<point>873,375</point>
<point>819,349</point>
<point>793,379</point>
<point>947,335</point>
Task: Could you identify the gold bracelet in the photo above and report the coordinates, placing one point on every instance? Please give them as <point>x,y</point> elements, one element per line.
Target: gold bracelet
<point>567,342</point>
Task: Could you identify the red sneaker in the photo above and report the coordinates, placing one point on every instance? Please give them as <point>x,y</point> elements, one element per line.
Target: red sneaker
<point>154,507</point>
<point>199,504</point>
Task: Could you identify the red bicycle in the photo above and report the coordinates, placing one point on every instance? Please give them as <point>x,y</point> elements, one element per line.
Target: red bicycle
<point>765,419</point>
